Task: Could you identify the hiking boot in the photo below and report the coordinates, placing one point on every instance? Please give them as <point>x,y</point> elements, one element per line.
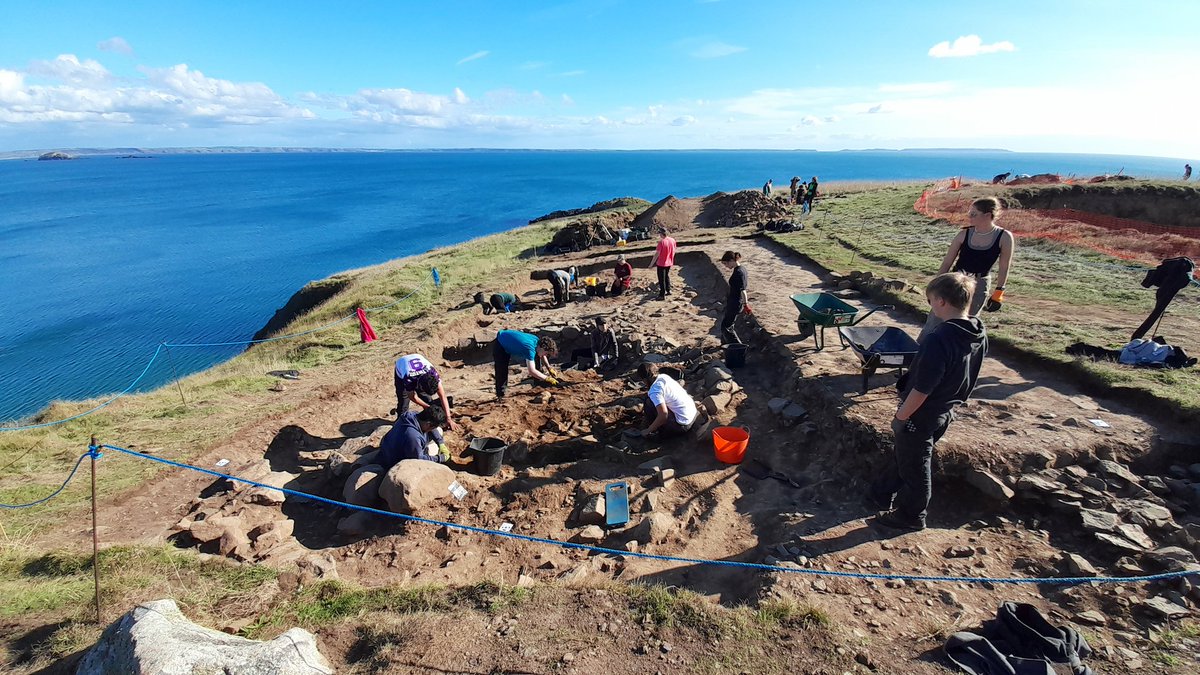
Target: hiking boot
<point>895,520</point>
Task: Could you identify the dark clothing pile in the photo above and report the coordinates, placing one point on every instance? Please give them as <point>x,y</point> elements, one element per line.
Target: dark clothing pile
<point>1020,641</point>
<point>1178,358</point>
<point>1171,276</point>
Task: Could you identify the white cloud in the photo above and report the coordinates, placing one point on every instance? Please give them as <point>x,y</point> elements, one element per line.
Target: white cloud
<point>572,73</point>
<point>460,97</point>
<point>533,65</point>
<point>715,50</point>
<point>968,45</point>
<point>399,102</point>
<point>683,121</point>
<point>115,44</point>
<point>566,99</point>
<point>473,57</point>
<point>68,68</point>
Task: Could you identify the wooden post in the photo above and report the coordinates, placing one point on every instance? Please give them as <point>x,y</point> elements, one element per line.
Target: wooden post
<point>95,538</point>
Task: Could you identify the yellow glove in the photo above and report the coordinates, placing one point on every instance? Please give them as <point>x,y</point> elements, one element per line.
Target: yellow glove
<point>555,373</point>
<point>551,381</point>
<point>444,452</point>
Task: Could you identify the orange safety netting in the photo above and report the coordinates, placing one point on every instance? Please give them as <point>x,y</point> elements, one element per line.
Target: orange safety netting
<point>1121,238</point>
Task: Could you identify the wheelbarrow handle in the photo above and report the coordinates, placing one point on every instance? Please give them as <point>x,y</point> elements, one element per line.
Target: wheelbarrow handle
<point>859,319</point>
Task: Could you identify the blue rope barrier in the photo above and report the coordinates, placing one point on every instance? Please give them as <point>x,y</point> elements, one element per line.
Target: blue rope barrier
<point>662,558</point>
<point>62,487</point>
<point>128,389</point>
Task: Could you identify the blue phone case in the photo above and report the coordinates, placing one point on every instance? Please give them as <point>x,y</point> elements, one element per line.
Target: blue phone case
<point>616,504</point>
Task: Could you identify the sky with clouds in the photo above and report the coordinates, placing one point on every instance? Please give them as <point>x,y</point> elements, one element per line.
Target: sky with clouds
<point>1102,76</point>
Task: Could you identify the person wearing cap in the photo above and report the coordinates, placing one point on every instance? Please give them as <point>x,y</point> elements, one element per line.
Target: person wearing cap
<point>624,276</point>
<point>561,282</point>
<point>664,260</point>
<point>414,436</point>
<point>533,349</point>
<point>418,383</point>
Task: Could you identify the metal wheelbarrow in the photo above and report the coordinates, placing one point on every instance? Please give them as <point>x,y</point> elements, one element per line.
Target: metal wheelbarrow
<point>880,347</point>
<point>821,310</point>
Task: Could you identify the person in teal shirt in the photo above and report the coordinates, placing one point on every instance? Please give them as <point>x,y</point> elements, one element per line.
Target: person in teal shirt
<point>531,348</point>
<point>498,302</point>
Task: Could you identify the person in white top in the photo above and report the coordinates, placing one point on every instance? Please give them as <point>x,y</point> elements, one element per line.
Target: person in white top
<point>669,410</point>
<point>418,383</point>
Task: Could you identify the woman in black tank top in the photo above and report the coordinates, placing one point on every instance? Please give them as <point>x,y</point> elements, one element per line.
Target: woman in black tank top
<point>975,251</point>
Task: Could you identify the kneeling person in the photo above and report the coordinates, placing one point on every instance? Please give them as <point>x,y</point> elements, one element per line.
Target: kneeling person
<point>669,410</point>
<point>510,343</point>
<point>415,436</point>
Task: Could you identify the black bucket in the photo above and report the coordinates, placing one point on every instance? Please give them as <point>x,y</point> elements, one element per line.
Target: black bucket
<point>488,454</point>
<point>735,355</point>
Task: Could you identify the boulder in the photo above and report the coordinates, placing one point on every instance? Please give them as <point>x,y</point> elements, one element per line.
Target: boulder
<point>988,484</point>
<point>593,511</point>
<point>776,405</point>
<point>653,529</point>
<point>412,484</point>
<point>211,528</point>
<point>356,523</point>
<point>362,487</point>
<point>155,637</point>
<point>1114,470</point>
<point>1165,609</point>
<point>1146,514</point>
<point>1172,559</point>
<point>1098,521</point>
<point>235,544</point>
<point>715,374</point>
<point>716,402</point>
<point>267,496</point>
<point>1078,566</point>
<point>793,413</point>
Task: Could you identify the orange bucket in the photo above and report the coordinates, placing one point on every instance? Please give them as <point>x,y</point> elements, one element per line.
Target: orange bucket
<point>729,444</point>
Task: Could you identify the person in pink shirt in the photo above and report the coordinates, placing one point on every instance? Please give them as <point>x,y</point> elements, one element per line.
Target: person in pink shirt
<point>664,260</point>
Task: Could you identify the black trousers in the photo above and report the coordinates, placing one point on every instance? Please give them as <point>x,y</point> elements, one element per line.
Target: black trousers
<point>1162,297</point>
<point>672,426</point>
<point>500,360</point>
<point>732,311</point>
<point>560,290</point>
<point>908,474</point>
<point>403,402</point>
<point>664,282</point>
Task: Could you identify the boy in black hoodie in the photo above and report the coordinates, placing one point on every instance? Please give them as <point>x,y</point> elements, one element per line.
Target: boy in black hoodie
<point>942,376</point>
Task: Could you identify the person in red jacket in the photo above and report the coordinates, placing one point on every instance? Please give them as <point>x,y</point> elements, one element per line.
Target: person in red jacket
<point>624,274</point>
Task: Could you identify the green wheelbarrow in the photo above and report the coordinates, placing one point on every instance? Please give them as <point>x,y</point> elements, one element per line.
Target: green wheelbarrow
<point>819,311</point>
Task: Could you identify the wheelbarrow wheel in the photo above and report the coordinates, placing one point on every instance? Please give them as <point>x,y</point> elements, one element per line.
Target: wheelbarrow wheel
<point>806,328</point>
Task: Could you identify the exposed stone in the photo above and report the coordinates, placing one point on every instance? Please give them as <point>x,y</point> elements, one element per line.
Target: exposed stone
<point>1164,608</point>
<point>1146,514</point>
<point>1114,470</point>
<point>776,405</point>
<point>337,464</point>
<point>362,487</point>
<point>235,544</point>
<point>1090,618</point>
<point>267,496</point>
<point>1078,566</point>
<point>592,534</point>
<point>1118,542</point>
<point>414,483</point>
<point>1172,559</point>
<point>717,402</point>
<point>1098,521</point>
<point>715,374</point>
<point>593,510</point>
<point>793,413</point>
<point>355,524</point>
<point>653,529</point>
<point>666,477</point>
<point>1135,534</point>
<point>211,529</point>
<point>959,552</point>
<point>988,484</point>
<point>155,637</point>
<point>1033,483</point>
<point>272,534</point>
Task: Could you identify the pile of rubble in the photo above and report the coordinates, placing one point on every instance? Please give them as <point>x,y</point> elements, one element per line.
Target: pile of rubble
<point>857,282</point>
<point>589,231</point>
<point>738,209</point>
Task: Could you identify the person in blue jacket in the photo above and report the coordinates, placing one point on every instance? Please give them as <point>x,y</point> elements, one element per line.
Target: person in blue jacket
<point>415,436</point>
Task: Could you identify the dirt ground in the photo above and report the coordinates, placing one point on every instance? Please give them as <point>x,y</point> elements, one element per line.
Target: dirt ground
<point>1022,419</point>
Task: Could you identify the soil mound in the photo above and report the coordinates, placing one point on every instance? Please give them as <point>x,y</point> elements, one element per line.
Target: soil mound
<point>631,203</point>
<point>748,207</point>
<point>670,213</point>
<point>588,231</point>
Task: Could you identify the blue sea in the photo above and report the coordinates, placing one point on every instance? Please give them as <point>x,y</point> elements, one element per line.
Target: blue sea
<point>102,258</point>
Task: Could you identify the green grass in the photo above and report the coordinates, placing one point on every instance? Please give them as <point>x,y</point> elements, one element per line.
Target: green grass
<point>226,397</point>
<point>1056,294</point>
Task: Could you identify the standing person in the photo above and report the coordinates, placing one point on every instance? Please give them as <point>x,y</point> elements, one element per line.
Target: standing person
<point>560,282</point>
<point>793,186</point>
<point>802,197</point>
<point>603,351</point>
<point>942,376</point>
<point>510,343</point>
<point>624,276</point>
<point>668,409</point>
<point>418,383</point>
<point>810,195</point>
<point>767,188</point>
<point>664,260</point>
<point>1187,171</point>
<point>414,436</point>
<point>974,251</point>
<point>736,304</point>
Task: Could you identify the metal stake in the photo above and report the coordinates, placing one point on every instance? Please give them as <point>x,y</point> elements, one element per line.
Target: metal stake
<point>95,537</point>
<point>171,360</point>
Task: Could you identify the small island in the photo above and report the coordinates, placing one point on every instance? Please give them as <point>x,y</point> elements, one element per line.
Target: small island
<point>54,155</point>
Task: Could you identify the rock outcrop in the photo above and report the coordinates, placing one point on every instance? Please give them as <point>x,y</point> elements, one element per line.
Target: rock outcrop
<point>414,483</point>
